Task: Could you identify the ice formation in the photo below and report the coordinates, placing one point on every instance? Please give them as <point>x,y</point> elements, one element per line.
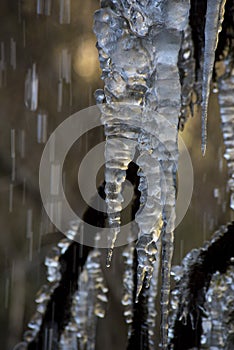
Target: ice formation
<point>214,19</point>
<point>226,91</point>
<point>52,262</point>
<point>88,303</point>
<point>139,45</point>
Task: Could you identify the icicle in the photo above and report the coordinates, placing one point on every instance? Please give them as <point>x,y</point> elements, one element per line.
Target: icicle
<point>115,175</point>
<point>186,64</point>
<point>13,54</point>
<point>218,326</point>
<point>152,295</point>
<point>214,19</point>
<point>52,262</point>
<point>139,46</point>
<point>31,89</point>
<point>89,301</point>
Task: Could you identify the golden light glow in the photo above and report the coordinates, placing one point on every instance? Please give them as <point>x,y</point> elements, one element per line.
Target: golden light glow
<point>86,62</point>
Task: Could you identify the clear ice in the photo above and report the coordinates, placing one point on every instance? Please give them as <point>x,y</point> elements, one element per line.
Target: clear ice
<point>226,103</point>
<point>88,303</point>
<point>139,44</point>
<point>214,19</point>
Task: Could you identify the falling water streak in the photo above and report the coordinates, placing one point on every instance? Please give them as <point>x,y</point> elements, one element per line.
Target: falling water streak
<point>24,33</point>
<point>29,232</point>
<point>11,194</point>
<point>31,89</point>
<point>22,143</point>
<point>214,19</point>
<point>7,288</point>
<point>19,11</point>
<point>65,66</point>
<point>60,96</point>
<point>29,223</point>
<point>24,191</point>
<point>226,100</point>
<point>13,155</point>
<point>3,66</point>
<point>42,127</point>
<point>65,12</point>
<point>40,7</point>
<point>13,53</point>
<point>48,7</point>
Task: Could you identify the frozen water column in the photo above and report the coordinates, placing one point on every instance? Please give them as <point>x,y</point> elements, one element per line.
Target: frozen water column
<point>139,44</point>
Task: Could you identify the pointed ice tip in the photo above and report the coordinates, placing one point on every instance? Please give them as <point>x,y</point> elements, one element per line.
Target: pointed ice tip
<point>109,257</point>
<point>139,288</point>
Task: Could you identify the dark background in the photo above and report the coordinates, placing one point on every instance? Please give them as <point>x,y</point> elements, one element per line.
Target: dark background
<point>40,39</point>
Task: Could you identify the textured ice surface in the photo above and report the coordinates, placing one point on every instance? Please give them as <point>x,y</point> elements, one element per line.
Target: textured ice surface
<point>89,301</point>
<point>139,44</point>
<point>226,103</point>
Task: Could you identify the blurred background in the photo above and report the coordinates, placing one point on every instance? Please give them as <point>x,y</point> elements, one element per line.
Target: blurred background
<point>49,70</point>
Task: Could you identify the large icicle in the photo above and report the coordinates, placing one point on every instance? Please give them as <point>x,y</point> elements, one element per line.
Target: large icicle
<point>139,45</point>
<point>214,19</point>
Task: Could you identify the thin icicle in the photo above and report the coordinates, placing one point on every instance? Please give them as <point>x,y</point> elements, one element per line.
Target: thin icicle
<point>214,19</point>
<point>152,295</point>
